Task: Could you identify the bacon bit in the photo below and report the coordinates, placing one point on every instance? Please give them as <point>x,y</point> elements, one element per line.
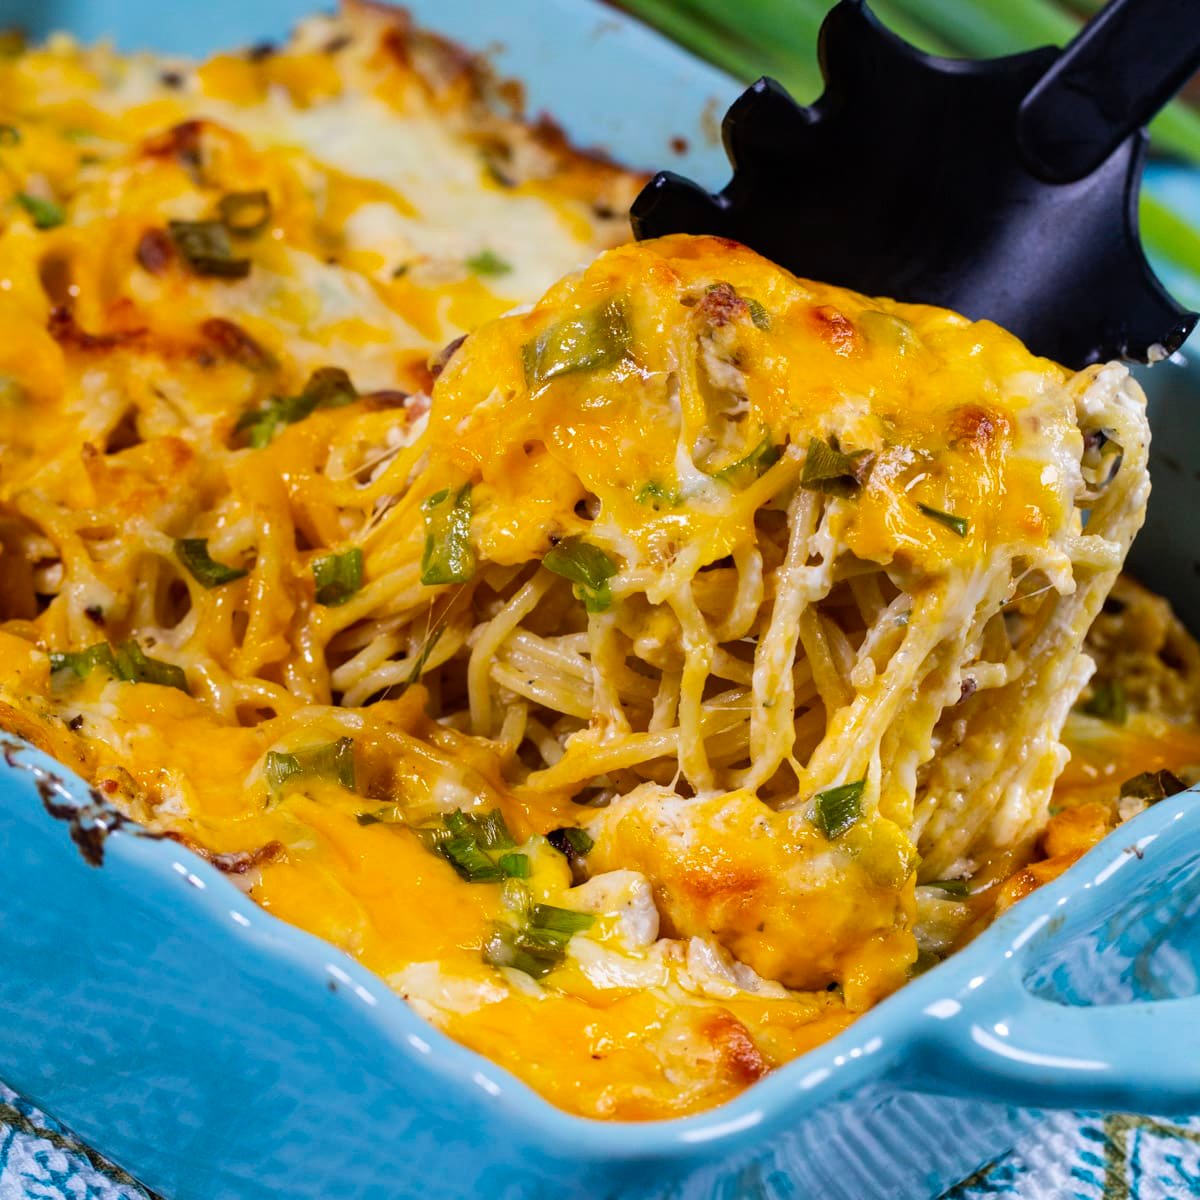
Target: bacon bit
<point>181,142</point>
<point>679,144</point>
<point>63,329</point>
<point>439,362</point>
<point>836,329</point>
<point>386,398</point>
<point>968,689</point>
<point>54,274</point>
<point>111,786</point>
<point>395,39</point>
<point>721,305</point>
<point>155,250</point>
<point>231,341</point>
<point>237,862</point>
<point>741,1057</point>
<point>418,405</point>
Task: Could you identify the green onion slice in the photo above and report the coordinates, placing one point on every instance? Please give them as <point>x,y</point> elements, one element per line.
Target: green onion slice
<point>327,387</point>
<point>447,556</point>
<point>1153,785</point>
<point>10,135</point>
<point>328,760</point>
<point>128,663</point>
<point>828,470</point>
<point>1108,702</point>
<point>952,887</point>
<point>45,213</point>
<point>838,808</point>
<point>559,920</point>
<point>746,470</point>
<point>515,865</point>
<point>959,525</point>
<point>204,246</point>
<point>539,944</point>
<point>597,338</point>
<point>383,816</point>
<point>193,553</point>
<point>488,262</point>
<point>468,841</point>
<point>136,666</point>
<point>466,856</point>
<point>246,214</point>
<point>758,314</point>
<point>83,662</point>
<point>655,495</point>
<point>338,577</point>
<point>571,841</point>
<point>587,567</point>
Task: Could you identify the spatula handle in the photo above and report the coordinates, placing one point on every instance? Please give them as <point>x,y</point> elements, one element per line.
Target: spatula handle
<point>1123,66</point>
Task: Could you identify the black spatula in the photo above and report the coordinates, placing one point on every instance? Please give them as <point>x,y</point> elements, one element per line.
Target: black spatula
<point>1005,188</point>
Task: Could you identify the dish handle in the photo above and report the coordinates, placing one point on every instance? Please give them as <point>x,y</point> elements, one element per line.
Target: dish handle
<point>996,1035</point>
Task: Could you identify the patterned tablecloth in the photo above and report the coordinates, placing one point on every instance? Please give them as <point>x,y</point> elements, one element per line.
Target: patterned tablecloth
<point>1068,1156</point>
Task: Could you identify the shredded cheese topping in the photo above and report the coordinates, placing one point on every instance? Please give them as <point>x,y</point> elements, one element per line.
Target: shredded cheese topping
<point>605,681</point>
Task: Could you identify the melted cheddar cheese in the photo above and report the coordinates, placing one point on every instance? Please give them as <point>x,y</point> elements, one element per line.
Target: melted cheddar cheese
<point>619,684</point>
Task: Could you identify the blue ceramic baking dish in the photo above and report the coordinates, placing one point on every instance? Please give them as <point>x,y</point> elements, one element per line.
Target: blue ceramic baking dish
<point>218,1054</point>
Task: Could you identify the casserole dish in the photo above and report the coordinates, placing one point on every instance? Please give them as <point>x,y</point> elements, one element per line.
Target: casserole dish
<point>257,1069</point>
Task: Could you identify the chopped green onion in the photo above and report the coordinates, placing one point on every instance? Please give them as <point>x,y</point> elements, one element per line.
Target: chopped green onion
<point>1153,785</point>
<point>204,246</point>
<point>959,525</point>
<point>468,840</point>
<point>487,262</point>
<point>466,856</point>
<point>83,662</point>
<point>245,213</point>
<point>1108,702</point>
<point>758,314</point>
<point>134,665</point>
<point>193,553</point>
<point>447,556</point>
<point>559,920</point>
<point>655,495</point>
<point>571,841</point>
<point>540,944</point>
<point>327,387</point>
<point>338,577</point>
<point>593,339</point>
<point>45,213</point>
<point>128,663</point>
<point>10,135</point>
<point>383,816</point>
<point>828,470</point>
<point>765,454</point>
<point>328,760</point>
<point>490,829</point>
<point>952,887</point>
<point>838,808</point>
<point>515,865</point>
<point>587,567</point>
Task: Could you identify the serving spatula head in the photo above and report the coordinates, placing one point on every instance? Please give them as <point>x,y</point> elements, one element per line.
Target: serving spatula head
<point>926,179</point>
